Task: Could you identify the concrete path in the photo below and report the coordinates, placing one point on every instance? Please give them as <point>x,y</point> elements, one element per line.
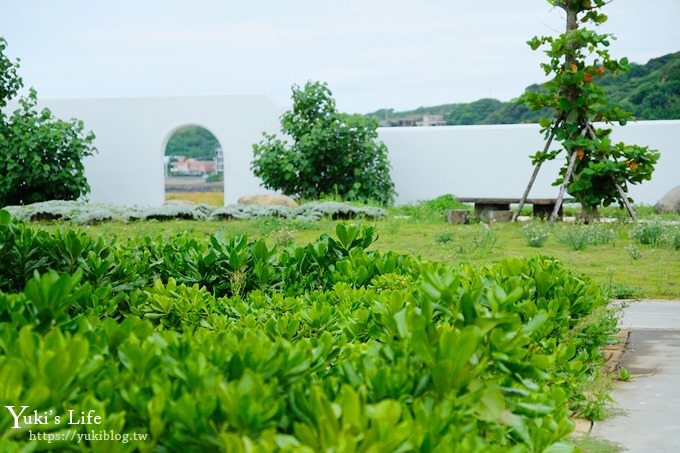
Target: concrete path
<point>647,414</point>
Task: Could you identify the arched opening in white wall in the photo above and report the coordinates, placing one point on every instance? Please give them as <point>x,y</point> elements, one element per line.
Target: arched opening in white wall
<point>193,166</point>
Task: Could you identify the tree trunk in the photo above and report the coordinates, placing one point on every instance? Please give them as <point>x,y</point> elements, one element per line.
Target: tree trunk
<point>571,92</point>
<point>589,213</point>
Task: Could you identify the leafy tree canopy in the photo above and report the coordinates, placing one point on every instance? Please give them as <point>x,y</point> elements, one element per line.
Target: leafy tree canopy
<point>192,141</point>
<point>331,154</point>
<point>596,170</point>
<point>41,157</point>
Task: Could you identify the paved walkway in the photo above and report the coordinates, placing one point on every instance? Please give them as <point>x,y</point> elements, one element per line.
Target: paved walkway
<point>647,417</point>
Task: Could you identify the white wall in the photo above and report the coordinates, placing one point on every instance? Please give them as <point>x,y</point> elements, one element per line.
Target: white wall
<point>470,161</point>
<point>492,161</point>
<point>132,135</point>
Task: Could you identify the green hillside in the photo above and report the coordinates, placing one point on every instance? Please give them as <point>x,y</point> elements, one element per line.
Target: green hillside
<point>651,91</point>
<point>192,141</point>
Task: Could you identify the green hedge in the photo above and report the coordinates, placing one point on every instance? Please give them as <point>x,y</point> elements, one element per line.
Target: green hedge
<point>229,345</point>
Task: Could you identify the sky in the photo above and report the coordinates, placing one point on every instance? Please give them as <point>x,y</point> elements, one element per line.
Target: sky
<point>372,53</point>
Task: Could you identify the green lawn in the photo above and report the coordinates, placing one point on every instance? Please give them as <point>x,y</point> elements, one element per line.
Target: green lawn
<point>626,267</point>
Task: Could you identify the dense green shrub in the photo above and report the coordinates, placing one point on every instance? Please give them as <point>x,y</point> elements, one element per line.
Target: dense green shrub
<point>41,157</point>
<point>332,153</point>
<point>429,209</point>
<point>230,345</point>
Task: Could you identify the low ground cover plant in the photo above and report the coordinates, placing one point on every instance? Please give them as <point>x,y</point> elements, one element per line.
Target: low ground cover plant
<point>230,344</point>
<point>84,213</point>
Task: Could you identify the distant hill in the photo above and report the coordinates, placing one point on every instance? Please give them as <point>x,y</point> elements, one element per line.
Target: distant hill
<point>651,91</point>
<point>192,141</point>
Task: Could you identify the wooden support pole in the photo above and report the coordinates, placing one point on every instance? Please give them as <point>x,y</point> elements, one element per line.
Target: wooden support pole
<point>624,198</point>
<point>536,170</point>
<point>590,131</point>
<point>570,170</point>
<point>526,192</point>
<point>563,187</point>
<point>622,194</point>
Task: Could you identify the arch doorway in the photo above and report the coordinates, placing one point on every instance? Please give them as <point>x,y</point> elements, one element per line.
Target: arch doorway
<point>194,166</point>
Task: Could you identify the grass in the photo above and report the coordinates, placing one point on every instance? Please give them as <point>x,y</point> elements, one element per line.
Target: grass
<point>654,272</point>
<point>211,198</point>
<point>594,445</point>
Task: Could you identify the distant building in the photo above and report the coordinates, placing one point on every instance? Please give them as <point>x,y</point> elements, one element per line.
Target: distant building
<point>409,121</point>
<point>191,166</point>
<point>432,120</point>
<point>219,160</point>
<point>413,121</point>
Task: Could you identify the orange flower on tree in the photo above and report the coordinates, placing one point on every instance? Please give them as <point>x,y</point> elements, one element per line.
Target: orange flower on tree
<point>600,70</point>
<point>633,165</point>
<point>580,154</point>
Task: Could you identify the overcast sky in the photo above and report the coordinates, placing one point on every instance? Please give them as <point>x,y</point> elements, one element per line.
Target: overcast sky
<point>373,53</point>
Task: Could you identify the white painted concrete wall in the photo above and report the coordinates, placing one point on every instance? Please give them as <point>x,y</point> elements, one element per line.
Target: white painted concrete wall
<point>492,161</point>
<point>132,135</point>
<point>481,161</point>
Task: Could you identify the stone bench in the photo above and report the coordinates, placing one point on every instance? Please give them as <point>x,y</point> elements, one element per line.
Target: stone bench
<point>487,208</point>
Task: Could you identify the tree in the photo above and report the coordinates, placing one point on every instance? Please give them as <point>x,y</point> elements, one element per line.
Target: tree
<point>331,154</point>
<point>192,141</point>
<point>40,156</point>
<point>601,169</point>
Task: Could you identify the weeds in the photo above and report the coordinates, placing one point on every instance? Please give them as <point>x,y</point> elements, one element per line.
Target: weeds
<point>575,237</point>
<point>621,291</point>
<point>429,209</point>
<point>648,233</point>
<point>284,237</point>
<point>485,240</point>
<point>624,375</point>
<point>601,234</point>
<point>578,237</point>
<point>672,237</point>
<point>443,237</point>
<point>594,445</point>
<point>634,252</point>
<point>657,234</point>
<point>535,234</point>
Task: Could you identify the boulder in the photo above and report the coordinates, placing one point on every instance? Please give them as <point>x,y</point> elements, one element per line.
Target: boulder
<point>269,200</point>
<point>457,216</point>
<point>669,202</point>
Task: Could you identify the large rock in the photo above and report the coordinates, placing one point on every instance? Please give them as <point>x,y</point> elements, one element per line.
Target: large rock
<point>269,200</point>
<point>669,202</point>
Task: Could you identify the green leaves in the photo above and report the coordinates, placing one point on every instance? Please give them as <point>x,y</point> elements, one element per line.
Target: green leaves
<point>40,156</point>
<point>5,218</point>
<point>333,154</point>
<point>50,296</point>
<point>454,352</point>
<point>343,349</point>
<point>250,404</point>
